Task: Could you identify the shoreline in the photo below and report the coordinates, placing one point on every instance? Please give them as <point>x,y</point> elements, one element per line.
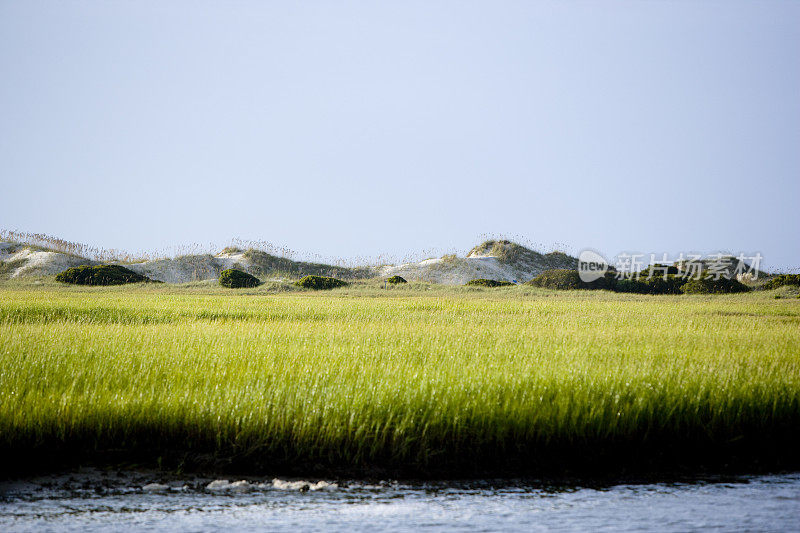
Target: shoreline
<point>556,464</point>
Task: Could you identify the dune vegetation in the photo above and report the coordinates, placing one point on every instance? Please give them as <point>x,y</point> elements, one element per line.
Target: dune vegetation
<point>100,275</point>
<point>236,279</point>
<point>482,282</point>
<point>423,381</point>
<point>320,283</point>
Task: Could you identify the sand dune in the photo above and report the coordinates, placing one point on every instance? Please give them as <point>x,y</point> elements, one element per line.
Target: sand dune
<point>500,260</point>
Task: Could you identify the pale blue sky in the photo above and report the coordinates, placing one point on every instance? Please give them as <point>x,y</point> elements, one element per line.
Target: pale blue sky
<point>351,129</point>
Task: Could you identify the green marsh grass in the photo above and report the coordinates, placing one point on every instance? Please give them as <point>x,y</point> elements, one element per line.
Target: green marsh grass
<point>413,380</point>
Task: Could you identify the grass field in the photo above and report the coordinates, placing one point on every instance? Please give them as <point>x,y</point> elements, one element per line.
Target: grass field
<point>416,380</point>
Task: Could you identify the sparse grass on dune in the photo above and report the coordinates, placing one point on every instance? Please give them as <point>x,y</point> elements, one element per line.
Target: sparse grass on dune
<point>360,380</point>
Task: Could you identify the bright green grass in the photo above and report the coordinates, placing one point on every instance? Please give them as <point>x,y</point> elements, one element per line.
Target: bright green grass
<point>437,381</point>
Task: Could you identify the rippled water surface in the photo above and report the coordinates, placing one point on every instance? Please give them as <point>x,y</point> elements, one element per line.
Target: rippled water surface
<point>94,501</point>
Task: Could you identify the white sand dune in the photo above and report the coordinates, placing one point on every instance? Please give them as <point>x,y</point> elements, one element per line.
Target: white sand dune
<point>499,260</point>
<point>24,261</point>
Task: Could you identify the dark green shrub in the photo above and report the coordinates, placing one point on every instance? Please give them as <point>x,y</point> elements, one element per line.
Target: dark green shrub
<point>394,280</point>
<point>629,285</point>
<point>481,282</point>
<point>236,279</point>
<point>709,285</point>
<point>100,275</point>
<point>655,285</point>
<point>558,279</point>
<point>658,271</point>
<point>607,282</point>
<point>320,283</point>
<point>562,279</point>
<point>781,280</point>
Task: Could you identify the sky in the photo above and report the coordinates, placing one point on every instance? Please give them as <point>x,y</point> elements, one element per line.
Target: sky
<point>356,129</point>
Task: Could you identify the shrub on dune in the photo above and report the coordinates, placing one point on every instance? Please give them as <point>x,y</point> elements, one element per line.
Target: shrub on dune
<point>709,285</point>
<point>236,279</point>
<point>100,275</point>
<point>781,280</point>
<point>563,279</point>
<point>481,282</point>
<point>651,285</point>
<point>320,283</point>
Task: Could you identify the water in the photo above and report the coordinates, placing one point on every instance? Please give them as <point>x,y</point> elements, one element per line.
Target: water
<point>96,501</point>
